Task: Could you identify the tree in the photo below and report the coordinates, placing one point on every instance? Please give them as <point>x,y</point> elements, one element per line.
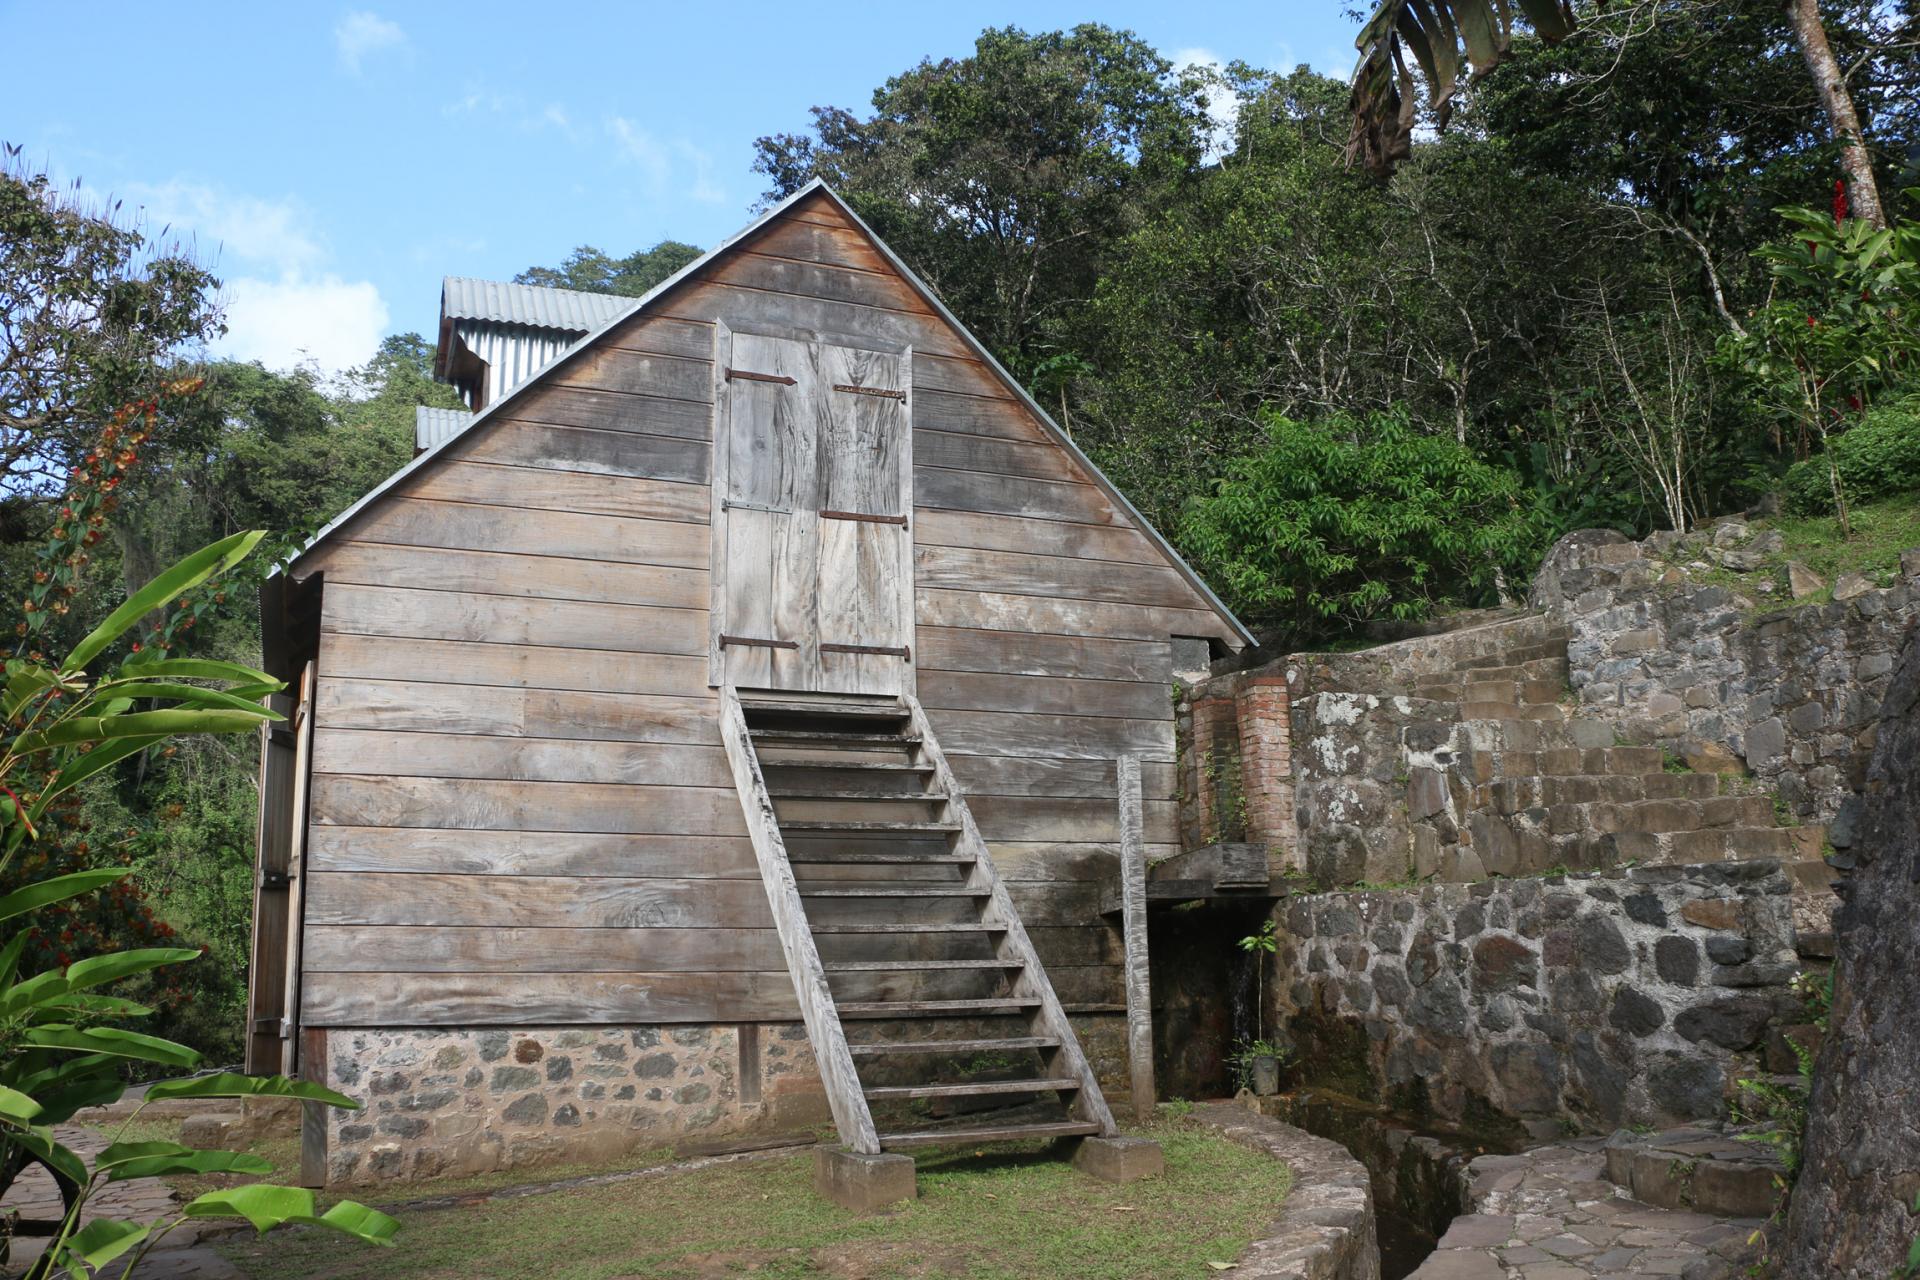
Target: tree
<point>1007,177</point>
<point>593,271</point>
<point>1450,39</point>
<point>91,310</point>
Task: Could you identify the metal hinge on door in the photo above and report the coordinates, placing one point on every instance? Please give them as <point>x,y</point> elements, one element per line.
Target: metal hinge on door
<point>728,504</point>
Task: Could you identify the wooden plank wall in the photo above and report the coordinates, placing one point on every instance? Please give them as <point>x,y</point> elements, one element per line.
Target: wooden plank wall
<point>521,808</point>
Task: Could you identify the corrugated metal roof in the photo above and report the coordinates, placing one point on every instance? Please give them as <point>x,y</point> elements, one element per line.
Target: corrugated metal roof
<point>466,298</point>
<point>432,426</point>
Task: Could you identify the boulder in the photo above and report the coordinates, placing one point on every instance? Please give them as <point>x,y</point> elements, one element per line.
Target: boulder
<point>1802,581</point>
<point>1851,586</point>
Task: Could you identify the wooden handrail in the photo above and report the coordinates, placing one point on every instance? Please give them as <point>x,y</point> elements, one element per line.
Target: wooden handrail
<point>824,1032</point>
<point>1089,1103</point>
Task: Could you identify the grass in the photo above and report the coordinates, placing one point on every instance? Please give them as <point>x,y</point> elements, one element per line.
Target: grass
<point>1004,1212</point>
<point>1881,531</point>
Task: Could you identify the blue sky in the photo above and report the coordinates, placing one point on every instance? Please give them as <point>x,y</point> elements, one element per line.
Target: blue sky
<point>335,161</point>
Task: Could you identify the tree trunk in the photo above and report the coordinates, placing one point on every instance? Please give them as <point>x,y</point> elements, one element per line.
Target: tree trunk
<point>1850,1216</point>
<point>1862,194</point>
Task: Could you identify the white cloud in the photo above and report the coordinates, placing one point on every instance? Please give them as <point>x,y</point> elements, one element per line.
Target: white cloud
<point>515,110</point>
<point>1222,106</point>
<point>362,33</point>
<point>635,145</point>
<point>283,306</point>
<point>335,323</point>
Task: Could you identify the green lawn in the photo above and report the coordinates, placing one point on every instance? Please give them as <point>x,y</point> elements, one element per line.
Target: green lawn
<point>1005,1212</point>
<point>1881,531</point>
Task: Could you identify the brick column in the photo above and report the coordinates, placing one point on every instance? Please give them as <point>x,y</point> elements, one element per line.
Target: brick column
<point>1266,766</point>
<point>1215,739</point>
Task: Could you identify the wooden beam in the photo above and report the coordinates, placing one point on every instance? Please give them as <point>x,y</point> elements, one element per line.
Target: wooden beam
<point>1133,882</point>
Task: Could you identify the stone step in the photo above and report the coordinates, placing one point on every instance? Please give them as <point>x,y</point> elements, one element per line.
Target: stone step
<point>1697,1170</point>
<point>1510,795</point>
<point>1548,712</point>
<point>1738,844</point>
<point>1503,734</point>
<point>1661,817</point>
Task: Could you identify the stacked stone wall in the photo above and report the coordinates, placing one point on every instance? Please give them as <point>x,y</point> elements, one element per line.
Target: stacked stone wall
<point>1631,996</point>
<point>453,1102</point>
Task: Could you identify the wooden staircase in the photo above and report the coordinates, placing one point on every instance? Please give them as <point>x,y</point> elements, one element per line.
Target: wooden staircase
<point>891,915</point>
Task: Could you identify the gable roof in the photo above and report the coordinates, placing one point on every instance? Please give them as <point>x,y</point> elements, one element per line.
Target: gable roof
<point>637,306</point>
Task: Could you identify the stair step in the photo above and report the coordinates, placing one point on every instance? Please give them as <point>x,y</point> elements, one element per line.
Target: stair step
<point>870,826</point>
<point>967,927</point>
<point>899,856</point>
<point>843,708</point>
<point>918,891</point>
<point>977,1089</point>
<point>909,797</point>
<point>933,1008</point>
<point>848,741</point>
<point>890,966</point>
<point>989,1133</point>
<point>952,1046</point>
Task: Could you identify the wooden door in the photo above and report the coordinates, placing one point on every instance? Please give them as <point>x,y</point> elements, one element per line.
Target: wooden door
<point>274,987</point>
<point>813,552</point>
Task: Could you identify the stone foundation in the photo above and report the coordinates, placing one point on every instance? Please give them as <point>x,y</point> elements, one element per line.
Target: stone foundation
<point>1624,997</point>
<point>456,1102</point>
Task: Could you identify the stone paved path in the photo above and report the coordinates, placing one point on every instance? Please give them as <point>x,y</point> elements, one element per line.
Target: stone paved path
<point>34,1195</point>
<point>1551,1214</point>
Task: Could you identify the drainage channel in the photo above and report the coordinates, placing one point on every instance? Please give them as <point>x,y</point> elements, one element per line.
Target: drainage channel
<point>1418,1172</point>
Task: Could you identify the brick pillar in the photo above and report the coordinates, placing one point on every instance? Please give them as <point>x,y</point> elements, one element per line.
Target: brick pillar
<point>1215,744</point>
<point>1266,766</point>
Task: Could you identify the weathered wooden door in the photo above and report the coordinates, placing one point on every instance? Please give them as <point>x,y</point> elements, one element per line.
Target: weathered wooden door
<point>813,549</point>
<point>273,997</point>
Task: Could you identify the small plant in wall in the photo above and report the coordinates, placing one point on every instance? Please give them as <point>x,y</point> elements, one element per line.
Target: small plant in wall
<point>1257,1063</point>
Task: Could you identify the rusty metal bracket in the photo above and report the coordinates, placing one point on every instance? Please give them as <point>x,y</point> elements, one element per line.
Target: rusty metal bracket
<point>753,642</point>
<point>882,392</point>
<point>883,650</point>
<point>861,516</point>
<point>780,378</point>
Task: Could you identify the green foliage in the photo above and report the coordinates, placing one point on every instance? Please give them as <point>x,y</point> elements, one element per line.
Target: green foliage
<point>592,271</point>
<point>1352,520</point>
<point>1877,458</point>
<point>1241,1060</point>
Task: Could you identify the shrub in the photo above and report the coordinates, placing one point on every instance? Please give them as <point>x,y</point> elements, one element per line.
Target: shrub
<point>1878,458</point>
<point>1351,520</point>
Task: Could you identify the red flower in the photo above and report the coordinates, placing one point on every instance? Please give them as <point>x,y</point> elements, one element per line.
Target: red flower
<point>1839,200</point>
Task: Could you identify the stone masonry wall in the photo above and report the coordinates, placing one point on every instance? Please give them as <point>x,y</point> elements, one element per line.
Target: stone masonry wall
<point>451,1103</point>
<point>1623,997</point>
<point>1683,641</point>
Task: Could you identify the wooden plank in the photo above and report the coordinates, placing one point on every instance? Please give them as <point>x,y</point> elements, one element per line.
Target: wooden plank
<point>954,451</point>
<point>1052,818</point>
<point>580,492</point>
<point>661,336</point>
<point>1044,695</point>
<point>1122,544</point>
<point>789,276</point>
<point>453,755</point>
<point>980,417</point>
<point>465,526</point>
<point>511,573</point>
<point>475,804</point>
<point>1224,866</point>
<point>804,240</point>
<point>1060,738</point>
<point>512,666</point>
<point>1139,988</point>
<point>1028,776</point>
<point>963,373</point>
<point>531,853</point>
<point>618,999</point>
<point>952,490</point>
<point>617,369</point>
<point>1002,611</point>
<point>459,615</point>
<point>595,450</point>
<point>808,978</point>
<point>832,319</point>
<point>469,949</point>
<point>528,902</point>
<point>966,569</point>
<point>1015,654</point>
<point>297,873</point>
<point>604,409</point>
<point>272,934</point>
<point>530,713</point>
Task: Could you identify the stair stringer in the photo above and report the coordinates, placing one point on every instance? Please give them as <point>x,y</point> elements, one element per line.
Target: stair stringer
<point>1089,1104</point>
<point>848,1103</point>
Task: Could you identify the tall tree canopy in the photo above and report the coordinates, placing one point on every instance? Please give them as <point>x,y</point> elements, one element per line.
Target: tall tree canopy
<point>593,271</point>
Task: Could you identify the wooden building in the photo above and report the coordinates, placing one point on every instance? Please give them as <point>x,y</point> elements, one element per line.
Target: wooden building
<point>650,732</point>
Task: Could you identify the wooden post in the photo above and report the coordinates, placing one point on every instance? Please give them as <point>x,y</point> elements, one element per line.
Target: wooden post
<point>1133,920</point>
